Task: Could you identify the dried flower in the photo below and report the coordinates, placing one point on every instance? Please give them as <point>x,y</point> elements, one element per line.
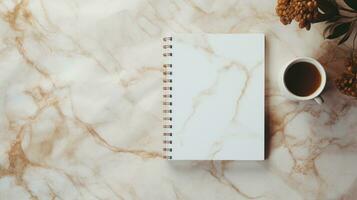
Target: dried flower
<point>347,82</point>
<point>302,11</point>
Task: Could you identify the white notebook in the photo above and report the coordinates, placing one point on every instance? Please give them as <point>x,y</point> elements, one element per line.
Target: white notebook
<point>214,97</point>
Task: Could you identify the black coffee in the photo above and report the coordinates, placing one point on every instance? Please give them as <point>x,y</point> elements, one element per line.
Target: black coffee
<point>302,79</point>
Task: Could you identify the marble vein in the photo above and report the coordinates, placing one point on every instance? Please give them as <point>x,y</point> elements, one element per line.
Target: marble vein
<point>80,105</point>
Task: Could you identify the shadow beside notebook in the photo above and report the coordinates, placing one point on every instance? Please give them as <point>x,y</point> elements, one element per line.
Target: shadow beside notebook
<point>267,134</point>
<point>267,121</point>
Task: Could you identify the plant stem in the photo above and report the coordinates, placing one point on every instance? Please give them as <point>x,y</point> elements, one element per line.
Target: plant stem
<point>353,50</point>
<point>347,10</point>
<point>348,17</point>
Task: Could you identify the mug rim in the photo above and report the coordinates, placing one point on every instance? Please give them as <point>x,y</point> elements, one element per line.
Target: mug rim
<point>318,66</point>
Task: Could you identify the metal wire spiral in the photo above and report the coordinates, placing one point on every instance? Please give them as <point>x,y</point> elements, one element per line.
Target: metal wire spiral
<point>167,95</point>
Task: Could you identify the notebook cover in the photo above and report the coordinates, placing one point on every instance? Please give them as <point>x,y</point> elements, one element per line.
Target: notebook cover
<point>217,97</point>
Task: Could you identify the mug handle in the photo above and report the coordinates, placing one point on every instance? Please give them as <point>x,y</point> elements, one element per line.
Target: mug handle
<point>319,100</point>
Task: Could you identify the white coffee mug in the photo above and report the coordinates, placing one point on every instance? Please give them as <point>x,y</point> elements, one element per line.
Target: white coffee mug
<point>315,95</point>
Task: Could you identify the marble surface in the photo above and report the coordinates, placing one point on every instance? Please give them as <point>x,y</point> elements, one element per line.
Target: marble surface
<point>80,114</point>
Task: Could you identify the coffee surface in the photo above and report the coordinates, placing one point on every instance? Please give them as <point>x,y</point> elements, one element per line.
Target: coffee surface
<point>302,79</point>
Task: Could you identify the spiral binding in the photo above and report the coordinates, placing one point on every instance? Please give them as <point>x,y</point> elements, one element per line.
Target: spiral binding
<point>167,103</point>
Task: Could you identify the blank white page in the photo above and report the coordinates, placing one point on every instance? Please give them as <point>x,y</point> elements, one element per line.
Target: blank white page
<point>218,97</point>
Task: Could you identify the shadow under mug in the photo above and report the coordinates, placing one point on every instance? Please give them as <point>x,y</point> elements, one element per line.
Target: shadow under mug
<point>316,95</point>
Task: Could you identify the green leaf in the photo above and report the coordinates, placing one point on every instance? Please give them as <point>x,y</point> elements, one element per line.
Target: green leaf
<point>352,4</point>
<point>329,29</point>
<point>346,36</point>
<point>324,17</point>
<point>339,30</point>
<point>329,7</point>
<point>334,18</point>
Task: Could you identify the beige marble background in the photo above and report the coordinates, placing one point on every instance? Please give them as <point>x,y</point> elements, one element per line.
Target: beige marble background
<point>80,105</point>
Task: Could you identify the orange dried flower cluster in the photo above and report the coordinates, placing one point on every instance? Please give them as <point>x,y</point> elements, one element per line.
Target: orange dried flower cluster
<point>347,82</point>
<point>302,11</point>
